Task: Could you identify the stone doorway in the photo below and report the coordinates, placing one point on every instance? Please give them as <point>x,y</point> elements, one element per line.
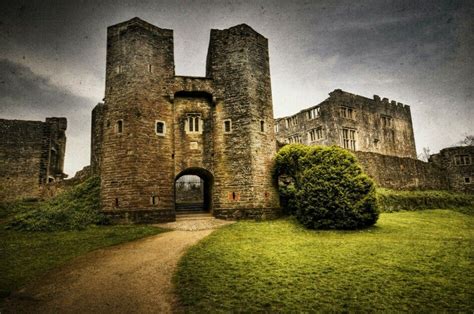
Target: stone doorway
<point>193,190</point>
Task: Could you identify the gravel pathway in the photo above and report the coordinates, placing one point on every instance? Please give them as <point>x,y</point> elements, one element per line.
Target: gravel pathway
<point>131,278</point>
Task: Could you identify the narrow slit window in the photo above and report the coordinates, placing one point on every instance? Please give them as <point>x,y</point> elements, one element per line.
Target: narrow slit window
<point>119,126</point>
<point>116,202</point>
<point>191,124</point>
<point>154,200</point>
<point>227,126</point>
<point>262,126</point>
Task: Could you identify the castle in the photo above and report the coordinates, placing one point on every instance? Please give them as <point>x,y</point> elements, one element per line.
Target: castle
<point>154,128</point>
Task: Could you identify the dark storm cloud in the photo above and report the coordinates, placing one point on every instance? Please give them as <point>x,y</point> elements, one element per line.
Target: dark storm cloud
<point>26,93</point>
<point>29,96</point>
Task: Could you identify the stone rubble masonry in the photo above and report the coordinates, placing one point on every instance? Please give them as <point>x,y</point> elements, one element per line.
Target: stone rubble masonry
<point>393,138</point>
<point>31,155</point>
<point>460,176</point>
<point>402,173</point>
<point>139,165</point>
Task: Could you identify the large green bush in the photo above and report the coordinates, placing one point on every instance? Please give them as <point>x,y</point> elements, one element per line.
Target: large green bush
<point>74,209</point>
<point>325,188</point>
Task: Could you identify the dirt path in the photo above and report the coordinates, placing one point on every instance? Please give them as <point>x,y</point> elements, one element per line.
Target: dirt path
<point>130,278</point>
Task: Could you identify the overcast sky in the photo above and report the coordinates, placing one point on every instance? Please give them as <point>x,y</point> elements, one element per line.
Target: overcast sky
<point>52,56</point>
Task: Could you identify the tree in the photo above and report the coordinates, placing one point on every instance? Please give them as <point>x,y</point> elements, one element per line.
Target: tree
<point>467,141</point>
<point>328,189</point>
<point>425,154</point>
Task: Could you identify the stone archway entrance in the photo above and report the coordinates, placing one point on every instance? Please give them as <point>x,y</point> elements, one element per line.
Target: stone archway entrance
<point>193,190</point>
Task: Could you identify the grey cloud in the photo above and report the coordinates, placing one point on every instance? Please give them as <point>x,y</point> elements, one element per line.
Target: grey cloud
<point>26,95</point>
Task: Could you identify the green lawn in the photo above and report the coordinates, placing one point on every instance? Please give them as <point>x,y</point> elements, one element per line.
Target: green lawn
<point>26,255</point>
<point>410,261</point>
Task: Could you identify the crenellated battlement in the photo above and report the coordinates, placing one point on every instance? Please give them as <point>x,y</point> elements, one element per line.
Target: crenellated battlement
<point>377,125</point>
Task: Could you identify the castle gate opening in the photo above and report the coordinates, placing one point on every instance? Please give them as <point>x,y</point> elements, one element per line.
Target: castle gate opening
<point>193,190</point>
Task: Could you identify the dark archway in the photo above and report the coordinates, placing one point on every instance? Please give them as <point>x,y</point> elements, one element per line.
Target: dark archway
<point>193,190</point>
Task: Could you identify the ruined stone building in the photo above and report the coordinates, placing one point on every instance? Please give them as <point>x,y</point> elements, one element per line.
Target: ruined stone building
<point>155,127</point>
<point>380,133</point>
<point>458,167</point>
<point>31,155</point>
<point>352,122</point>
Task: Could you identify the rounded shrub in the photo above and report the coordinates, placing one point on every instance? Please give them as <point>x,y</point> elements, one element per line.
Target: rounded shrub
<point>330,189</point>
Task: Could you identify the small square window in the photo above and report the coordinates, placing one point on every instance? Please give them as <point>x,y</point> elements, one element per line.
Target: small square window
<point>467,180</point>
<point>160,128</point>
<point>227,126</point>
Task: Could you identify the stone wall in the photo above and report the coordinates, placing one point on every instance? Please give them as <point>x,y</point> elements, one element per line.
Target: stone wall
<point>458,167</point>
<point>31,155</point>
<point>380,126</point>
<point>138,165</point>
<point>402,173</point>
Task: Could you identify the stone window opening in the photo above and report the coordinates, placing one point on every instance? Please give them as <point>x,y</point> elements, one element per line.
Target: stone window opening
<point>227,126</point>
<point>315,134</point>
<point>348,139</point>
<point>314,113</point>
<point>150,68</point>
<point>291,122</point>
<point>160,127</point>
<point>346,112</point>
<point>154,200</point>
<point>462,160</point>
<point>262,126</point>
<point>295,139</point>
<point>119,126</point>
<point>276,127</point>
<point>116,202</point>
<point>387,121</point>
<point>119,69</point>
<point>467,180</point>
<point>193,123</point>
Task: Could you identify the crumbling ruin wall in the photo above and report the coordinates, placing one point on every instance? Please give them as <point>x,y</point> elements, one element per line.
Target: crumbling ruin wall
<point>31,155</point>
<point>402,173</point>
<point>458,167</point>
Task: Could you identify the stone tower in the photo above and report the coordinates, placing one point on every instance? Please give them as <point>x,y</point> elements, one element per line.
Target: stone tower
<point>155,127</point>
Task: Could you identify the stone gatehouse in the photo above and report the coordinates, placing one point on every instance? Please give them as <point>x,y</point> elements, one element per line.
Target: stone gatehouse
<point>155,127</point>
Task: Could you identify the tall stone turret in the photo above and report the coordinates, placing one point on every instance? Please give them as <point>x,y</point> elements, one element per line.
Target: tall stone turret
<point>136,163</point>
<point>238,63</point>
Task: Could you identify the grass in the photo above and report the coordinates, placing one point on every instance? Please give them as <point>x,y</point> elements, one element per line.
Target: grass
<point>410,261</point>
<point>74,209</point>
<point>392,200</point>
<point>28,255</point>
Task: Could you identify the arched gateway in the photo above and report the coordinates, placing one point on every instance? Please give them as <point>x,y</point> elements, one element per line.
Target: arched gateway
<point>155,127</point>
<point>193,190</point>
